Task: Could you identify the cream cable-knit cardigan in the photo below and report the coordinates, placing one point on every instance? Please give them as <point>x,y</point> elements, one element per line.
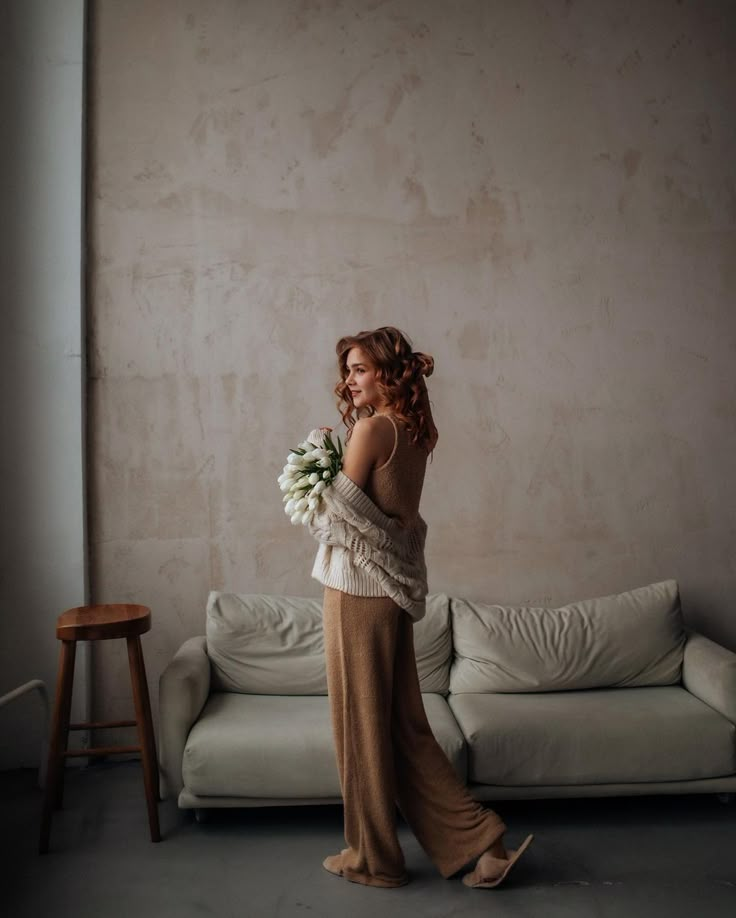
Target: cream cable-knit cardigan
<point>366,553</point>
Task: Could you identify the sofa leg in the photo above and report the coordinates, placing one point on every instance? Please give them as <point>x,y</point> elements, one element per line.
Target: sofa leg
<point>726,798</point>
<point>201,814</point>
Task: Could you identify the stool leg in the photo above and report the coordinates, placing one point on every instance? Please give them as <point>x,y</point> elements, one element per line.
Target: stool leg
<point>145,732</point>
<point>59,739</point>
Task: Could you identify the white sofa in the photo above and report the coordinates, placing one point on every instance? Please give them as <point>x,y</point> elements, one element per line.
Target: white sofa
<point>606,696</point>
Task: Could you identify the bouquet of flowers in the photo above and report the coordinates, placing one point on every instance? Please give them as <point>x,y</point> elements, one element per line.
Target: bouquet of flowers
<point>309,469</point>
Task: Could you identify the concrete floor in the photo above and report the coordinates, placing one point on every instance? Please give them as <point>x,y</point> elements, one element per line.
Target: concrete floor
<point>634,856</point>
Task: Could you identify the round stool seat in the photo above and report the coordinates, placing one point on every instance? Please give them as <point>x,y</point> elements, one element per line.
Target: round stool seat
<point>100,622</point>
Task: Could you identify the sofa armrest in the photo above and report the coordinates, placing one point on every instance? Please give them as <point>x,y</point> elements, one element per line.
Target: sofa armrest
<point>183,689</point>
<point>709,673</point>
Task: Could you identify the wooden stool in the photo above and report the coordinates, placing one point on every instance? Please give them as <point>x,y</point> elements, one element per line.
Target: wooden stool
<point>100,623</point>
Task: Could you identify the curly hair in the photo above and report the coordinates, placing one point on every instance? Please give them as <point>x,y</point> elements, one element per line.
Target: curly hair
<point>400,373</point>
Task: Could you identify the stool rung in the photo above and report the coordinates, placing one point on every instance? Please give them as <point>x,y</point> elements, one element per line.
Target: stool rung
<point>92,725</point>
<point>101,750</point>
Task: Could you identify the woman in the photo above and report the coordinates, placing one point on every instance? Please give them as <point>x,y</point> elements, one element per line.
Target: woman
<point>386,752</point>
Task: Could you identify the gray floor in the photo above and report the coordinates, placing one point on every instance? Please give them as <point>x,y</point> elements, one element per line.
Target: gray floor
<point>633,856</point>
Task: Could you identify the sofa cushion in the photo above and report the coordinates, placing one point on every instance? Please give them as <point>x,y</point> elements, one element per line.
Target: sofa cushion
<point>267,644</point>
<point>433,644</point>
<point>282,746</point>
<point>659,733</point>
<point>626,639</point>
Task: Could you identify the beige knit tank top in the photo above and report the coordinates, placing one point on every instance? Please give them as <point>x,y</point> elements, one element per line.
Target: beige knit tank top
<point>396,486</point>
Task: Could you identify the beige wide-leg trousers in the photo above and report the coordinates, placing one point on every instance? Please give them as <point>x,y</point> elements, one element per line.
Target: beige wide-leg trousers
<point>386,752</point>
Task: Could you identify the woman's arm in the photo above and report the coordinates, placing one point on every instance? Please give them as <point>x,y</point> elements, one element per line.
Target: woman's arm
<point>362,451</point>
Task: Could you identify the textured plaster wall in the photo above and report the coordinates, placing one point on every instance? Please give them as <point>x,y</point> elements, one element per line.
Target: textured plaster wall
<point>541,194</point>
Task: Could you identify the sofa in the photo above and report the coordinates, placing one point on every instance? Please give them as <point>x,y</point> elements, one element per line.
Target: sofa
<point>600,697</point>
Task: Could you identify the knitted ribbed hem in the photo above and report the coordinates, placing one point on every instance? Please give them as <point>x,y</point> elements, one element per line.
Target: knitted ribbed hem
<point>334,568</point>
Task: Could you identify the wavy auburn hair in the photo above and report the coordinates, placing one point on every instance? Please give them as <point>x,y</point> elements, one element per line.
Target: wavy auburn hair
<point>400,373</point>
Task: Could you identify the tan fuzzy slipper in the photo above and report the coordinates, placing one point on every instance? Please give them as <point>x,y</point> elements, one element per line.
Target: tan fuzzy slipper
<point>333,863</point>
<point>499,869</point>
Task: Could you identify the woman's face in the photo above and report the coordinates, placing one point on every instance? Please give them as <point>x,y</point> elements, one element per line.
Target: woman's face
<point>361,379</point>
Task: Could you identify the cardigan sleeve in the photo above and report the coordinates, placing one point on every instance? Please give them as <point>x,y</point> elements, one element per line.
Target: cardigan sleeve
<point>326,526</point>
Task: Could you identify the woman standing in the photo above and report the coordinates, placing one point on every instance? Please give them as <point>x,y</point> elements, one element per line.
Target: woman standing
<point>386,752</point>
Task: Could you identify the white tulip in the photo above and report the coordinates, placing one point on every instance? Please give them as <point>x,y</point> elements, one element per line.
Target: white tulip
<point>307,516</point>
<point>296,518</point>
<point>285,485</point>
<point>290,507</point>
<point>327,475</point>
<point>314,478</point>
<point>324,463</point>
<point>316,437</point>
<point>301,504</point>
<point>319,487</point>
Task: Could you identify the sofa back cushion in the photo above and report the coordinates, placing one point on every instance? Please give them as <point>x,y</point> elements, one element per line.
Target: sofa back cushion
<point>433,645</point>
<point>625,639</point>
<point>266,644</point>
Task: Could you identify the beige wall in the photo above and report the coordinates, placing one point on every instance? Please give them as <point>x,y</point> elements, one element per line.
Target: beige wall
<point>542,195</point>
